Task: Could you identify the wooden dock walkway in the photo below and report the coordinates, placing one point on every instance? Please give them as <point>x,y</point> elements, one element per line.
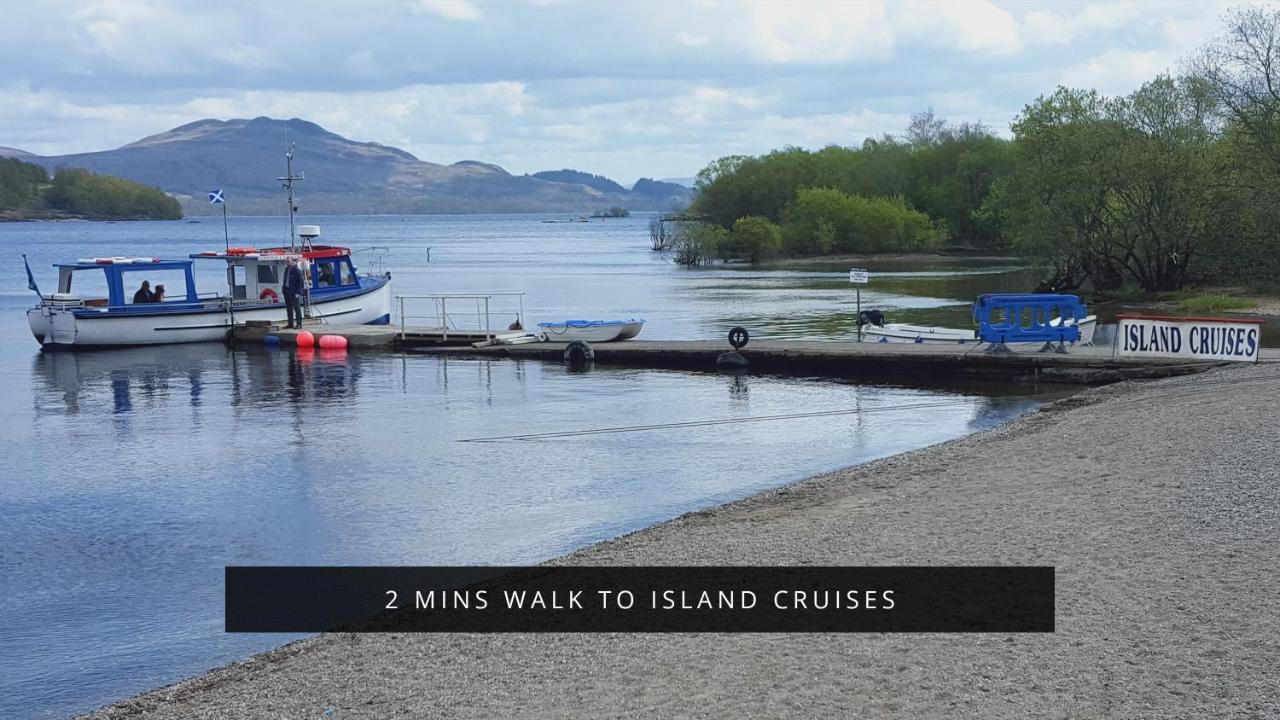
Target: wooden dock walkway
<point>924,362</point>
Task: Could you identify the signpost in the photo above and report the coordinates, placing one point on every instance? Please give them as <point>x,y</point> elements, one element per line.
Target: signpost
<point>859,277</point>
<point>1237,339</point>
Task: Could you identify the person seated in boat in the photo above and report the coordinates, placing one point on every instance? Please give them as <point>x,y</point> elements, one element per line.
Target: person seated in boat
<point>144,294</point>
<point>326,275</point>
<point>158,295</point>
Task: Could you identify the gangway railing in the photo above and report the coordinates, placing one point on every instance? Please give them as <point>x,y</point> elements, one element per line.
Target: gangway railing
<point>453,312</point>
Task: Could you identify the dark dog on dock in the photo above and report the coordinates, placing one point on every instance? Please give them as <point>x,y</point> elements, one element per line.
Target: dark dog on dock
<point>870,317</point>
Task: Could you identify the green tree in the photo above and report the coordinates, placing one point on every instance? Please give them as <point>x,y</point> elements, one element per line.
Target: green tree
<point>753,238</point>
<point>102,196</point>
<point>1113,188</point>
<point>695,243</point>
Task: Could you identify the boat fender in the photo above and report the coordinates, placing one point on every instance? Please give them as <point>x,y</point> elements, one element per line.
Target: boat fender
<point>738,338</point>
<point>269,293</point>
<point>271,340</point>
<point>871,317</point>
<point>578,353</point>
<point>731,361</point>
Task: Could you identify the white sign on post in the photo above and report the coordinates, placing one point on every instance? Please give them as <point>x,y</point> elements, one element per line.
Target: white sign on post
<point>1236,339</point>
<point>859,275</point>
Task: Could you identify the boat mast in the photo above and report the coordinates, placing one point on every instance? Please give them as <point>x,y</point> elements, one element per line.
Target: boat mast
<point>288,181</point>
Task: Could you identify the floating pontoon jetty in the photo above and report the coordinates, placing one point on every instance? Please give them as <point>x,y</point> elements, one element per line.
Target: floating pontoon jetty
<point>1082,365</point>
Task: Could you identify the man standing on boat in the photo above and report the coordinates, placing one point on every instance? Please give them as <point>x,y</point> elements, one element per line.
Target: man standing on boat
<point>292,287</point>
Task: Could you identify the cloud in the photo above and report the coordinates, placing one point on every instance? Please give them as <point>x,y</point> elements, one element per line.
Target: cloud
<point>625,89</point>
<point>968,25</point>
<point>808,31</point>
<point>1118,72</point>
<point>689,39</point>
<point>452,9</point>
<point>1052,27</point>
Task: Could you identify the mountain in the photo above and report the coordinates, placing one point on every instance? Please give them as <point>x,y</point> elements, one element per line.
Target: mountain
<point>245,158</point>
<point>685,181</point>
<point>599,182</point>
<point>657,191</point>
<point>14,153</point>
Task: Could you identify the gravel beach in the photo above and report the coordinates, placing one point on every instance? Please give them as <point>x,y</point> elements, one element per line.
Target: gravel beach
<point>1158,502</point>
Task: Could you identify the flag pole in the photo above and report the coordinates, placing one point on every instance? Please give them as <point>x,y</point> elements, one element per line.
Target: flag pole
<point>226,236</point>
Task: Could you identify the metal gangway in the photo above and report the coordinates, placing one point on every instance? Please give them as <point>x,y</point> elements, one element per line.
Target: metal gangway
<point>465,316</point>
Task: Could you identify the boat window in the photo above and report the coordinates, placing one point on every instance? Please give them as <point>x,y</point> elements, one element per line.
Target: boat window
<point>344,272</point>
<point>89,284</point>
<point>238,291</point>
<point>326,274</point>
<point>268,274</point>
<point>173,281</point>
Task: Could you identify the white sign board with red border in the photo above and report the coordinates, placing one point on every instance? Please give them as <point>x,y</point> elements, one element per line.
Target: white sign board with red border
<point>1195,338</point>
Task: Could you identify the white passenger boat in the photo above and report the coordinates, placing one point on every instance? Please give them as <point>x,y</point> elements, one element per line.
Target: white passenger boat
<point>96,305</point>
<point>334,294</point>
<point>591,330</point>
<point>907,333</point>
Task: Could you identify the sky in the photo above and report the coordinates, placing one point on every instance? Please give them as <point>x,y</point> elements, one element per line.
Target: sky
<point>624,89</point>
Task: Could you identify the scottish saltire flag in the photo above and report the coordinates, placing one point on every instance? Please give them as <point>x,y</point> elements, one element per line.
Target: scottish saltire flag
<point>215,197</point>
<point>31,279</point>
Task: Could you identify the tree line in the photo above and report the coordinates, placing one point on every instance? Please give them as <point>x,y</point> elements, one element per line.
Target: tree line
<point>1176,183</point>
<point>26,190</point>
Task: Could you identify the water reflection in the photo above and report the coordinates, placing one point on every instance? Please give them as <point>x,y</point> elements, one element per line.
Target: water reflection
<point>139,378</point>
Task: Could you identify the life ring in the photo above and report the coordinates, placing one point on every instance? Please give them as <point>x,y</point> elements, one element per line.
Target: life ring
<point>269,293</point>
<point>241,251</point>
<point>738,337</point>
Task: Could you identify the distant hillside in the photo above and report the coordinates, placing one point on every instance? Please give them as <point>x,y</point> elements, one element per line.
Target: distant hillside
<point>599,182</point>
<point>14,153</point>
<point>244,158</point>
<point>27,192</point>
<point>657,191</point>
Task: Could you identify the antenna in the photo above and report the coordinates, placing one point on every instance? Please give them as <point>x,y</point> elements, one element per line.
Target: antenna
<point>288,181</point>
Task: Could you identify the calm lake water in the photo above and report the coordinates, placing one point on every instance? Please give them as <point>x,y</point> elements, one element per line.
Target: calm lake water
<point>132,477</point>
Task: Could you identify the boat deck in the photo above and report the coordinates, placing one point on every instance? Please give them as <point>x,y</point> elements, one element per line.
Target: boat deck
<point>367,336</point>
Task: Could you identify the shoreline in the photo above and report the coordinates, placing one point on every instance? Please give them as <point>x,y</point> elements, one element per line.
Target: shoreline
<point>1158,510</point>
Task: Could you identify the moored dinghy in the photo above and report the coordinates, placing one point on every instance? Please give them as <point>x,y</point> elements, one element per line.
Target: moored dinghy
<point>884,332</point>
<point>591,330</point>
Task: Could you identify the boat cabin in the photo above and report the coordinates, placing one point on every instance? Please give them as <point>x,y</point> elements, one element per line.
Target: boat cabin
<point>257,275</point>
<point>113,282</point>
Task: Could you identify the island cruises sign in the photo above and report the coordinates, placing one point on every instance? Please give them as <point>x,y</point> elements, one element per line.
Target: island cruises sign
<point>1189,337</point>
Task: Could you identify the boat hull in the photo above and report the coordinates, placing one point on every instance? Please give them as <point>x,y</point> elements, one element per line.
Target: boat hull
<point>931,335</point>
<point>57,328</point>
<point>591,331</point>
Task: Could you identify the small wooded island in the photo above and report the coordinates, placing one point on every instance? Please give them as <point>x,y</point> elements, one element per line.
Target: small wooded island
<point>28,193</point>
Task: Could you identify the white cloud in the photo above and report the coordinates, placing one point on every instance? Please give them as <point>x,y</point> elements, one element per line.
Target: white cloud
<point>1118,72</point>
<point>655,88</point>
<point>808,31</point>
<point>452,9</point>
<point>708,103</point>
<point>1052,27</point>
<point>968,25</point>
<point>689,39</point>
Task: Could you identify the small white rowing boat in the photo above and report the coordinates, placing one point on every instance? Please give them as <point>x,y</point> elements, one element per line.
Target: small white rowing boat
<point>906,333</point>
<point>591,330</point>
